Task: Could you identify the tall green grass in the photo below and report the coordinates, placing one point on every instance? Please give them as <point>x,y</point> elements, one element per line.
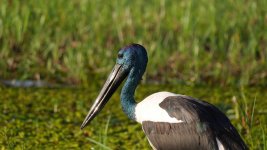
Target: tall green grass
<point>205,41</point>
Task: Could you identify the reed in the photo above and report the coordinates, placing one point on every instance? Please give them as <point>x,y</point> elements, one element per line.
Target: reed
<point>205,41</point>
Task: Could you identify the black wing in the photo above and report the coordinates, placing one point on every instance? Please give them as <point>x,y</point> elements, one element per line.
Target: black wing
<point>203,123</point>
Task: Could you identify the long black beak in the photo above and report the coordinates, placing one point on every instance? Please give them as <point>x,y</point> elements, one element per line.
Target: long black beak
<point>114,80</point>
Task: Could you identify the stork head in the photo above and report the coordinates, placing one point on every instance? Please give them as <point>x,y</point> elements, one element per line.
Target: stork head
<point>131,59</point>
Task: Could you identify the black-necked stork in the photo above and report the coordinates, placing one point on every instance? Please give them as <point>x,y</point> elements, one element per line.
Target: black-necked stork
<point>170,121</point>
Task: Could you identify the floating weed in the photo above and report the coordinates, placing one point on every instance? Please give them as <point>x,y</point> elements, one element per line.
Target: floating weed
<point>51,118</point>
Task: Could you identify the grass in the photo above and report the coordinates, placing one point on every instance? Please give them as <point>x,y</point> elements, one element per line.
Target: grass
<point>51,118</point>
<point>103,138</point>
<point>206,41</point>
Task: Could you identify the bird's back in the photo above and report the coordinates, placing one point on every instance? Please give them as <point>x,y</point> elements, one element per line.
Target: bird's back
<point>189,124</point>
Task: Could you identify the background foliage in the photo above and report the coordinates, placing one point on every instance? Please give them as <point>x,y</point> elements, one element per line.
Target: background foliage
<point>205,41</point>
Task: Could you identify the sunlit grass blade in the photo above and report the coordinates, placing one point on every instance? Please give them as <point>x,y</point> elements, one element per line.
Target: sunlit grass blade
<point>99,144</point>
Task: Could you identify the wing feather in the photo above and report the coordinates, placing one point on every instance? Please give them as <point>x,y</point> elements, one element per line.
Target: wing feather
<point>203,123</point>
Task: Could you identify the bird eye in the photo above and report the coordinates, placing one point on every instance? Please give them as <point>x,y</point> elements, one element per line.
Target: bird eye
<point>120,55</point>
